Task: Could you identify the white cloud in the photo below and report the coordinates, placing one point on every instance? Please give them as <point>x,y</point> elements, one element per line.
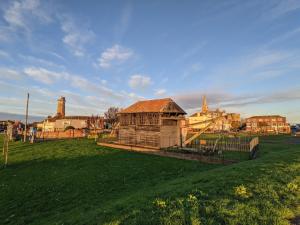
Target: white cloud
<point>192,69</point>
<point>57,55</point>
<point>139,81</point>
<point>284,7</point>
<point>160,92</point>
<point>4,54</point>
<point>19,12</point>
<point>9,73</point>
<point>257,66</point>
<point>85,97</point>
<point>5,34</point>
<point>75,38</point>
<point>124,21</point>
<point>49,77</point>
<point>114,55</point>
<point>265,59</point>
<point>192,51</point>
<point>284,37</point>
<point>39,61</point>
<point>44,76</point>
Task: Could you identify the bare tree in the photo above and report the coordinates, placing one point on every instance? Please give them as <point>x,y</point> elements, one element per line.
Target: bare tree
<point>111,115</point>
<point>93,123</point>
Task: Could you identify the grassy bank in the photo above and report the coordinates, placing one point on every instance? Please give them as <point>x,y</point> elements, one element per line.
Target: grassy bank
<point>77,182</point>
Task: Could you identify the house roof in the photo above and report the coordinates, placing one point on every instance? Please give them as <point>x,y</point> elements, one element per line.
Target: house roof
<point>154,106</point>
<point>265,117</point>
<point>53,119</point>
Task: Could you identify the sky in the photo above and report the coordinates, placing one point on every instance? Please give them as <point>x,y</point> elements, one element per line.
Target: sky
<point>243,55</point>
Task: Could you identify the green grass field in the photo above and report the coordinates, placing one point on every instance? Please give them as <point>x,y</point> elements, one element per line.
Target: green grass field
<point>78,182</point>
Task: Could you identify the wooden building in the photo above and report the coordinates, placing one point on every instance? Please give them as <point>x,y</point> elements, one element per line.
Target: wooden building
<point>151,123</point>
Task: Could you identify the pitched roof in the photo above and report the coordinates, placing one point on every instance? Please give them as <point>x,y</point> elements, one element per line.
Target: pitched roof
<point>155,105</point>
<point>265,117</point>
<point>53,119</point>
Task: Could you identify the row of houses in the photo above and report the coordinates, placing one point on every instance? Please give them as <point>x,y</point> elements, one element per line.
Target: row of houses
<point>159,123</point>
<point>223,121</point>
<point>268,124</point>
<point>154,109</point>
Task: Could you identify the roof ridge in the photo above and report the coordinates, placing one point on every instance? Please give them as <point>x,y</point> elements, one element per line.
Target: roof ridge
<point>156,99</point>
<point>153,105</point>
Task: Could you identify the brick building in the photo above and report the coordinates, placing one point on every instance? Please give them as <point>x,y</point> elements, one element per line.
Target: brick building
<point>60,121</point>
<point>267,124</point>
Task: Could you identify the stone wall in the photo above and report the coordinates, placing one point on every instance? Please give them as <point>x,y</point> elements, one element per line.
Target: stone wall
<point>60,134</point>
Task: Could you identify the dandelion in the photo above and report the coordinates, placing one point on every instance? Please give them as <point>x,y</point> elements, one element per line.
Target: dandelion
<point>241,191</point>
<point>293,187</point>
<point>160,203</point>
<point>192,198</point>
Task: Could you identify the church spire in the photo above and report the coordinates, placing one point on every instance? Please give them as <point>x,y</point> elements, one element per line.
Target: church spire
<point>204,105</point>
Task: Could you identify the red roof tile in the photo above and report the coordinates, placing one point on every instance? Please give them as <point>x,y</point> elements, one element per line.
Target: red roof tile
<point>156,105</point>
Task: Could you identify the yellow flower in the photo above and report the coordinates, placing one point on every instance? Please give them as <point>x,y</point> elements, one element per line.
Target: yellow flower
<point>293,187</point>
<point>192,197</point>
<point>241,191</point>
<point>160,203</point>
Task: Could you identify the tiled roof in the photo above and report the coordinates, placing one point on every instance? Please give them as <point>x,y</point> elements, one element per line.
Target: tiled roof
<point>265,117</point>
<point>53,119</point>
<point>156,105</point>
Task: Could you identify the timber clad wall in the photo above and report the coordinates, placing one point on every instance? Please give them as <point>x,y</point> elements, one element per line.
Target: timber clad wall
<point>153,123</point>
<point>170,136</point>
<point>140,137</point>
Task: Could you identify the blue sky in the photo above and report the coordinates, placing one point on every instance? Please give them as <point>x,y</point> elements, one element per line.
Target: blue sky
<point>244,55</point>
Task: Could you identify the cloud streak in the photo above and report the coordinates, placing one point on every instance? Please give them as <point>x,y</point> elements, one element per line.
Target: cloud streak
<point>192,101</point>
<point>44,76</point>
<point>6,73</point>
<point>139,81</point>
<point>75,38</point>
<point>114,56</point>
<point>18,13</point>
<point>284,7</point>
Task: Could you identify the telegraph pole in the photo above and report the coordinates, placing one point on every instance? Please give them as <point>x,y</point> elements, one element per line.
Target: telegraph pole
<point>26,117</point>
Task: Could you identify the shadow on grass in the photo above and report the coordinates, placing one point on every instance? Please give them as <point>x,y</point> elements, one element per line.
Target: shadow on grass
<point>77,185</point>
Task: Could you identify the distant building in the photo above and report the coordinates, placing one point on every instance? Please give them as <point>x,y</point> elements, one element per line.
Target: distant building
<point>267,124</point>
<point>61,122</point>
<point>61,107</point>
<point>152,123</point>
<point>227,121</point>
<point>18,125</point>
<point>3,124</point>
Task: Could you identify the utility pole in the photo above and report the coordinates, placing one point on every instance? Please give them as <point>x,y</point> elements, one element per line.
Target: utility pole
<point>26,118</point>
